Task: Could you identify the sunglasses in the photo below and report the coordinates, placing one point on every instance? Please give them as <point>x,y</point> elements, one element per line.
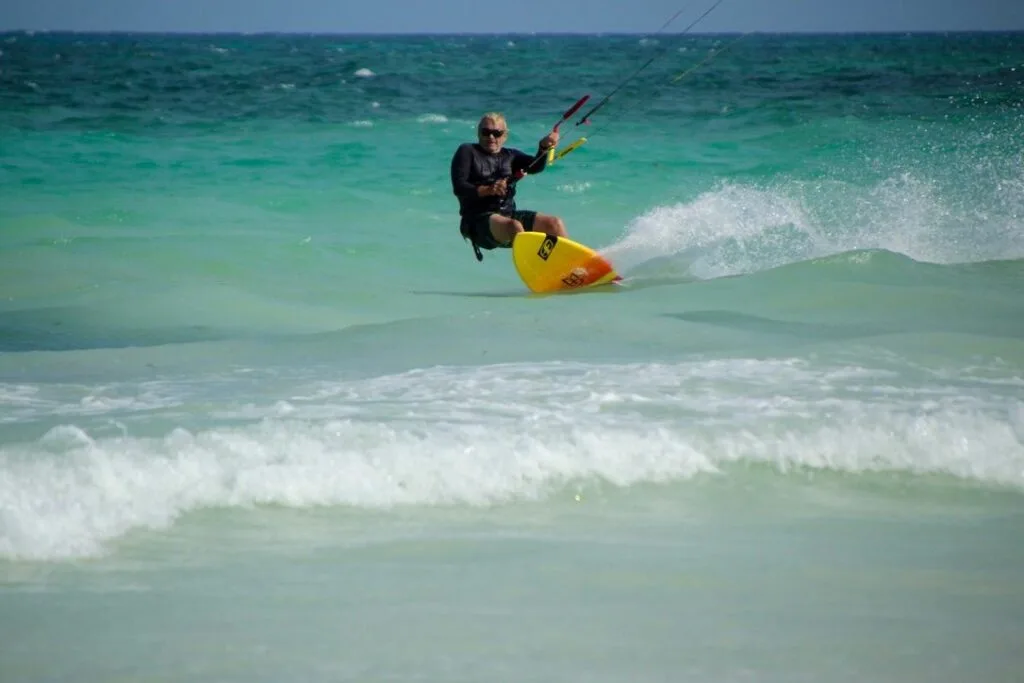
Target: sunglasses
<point>491,132</point>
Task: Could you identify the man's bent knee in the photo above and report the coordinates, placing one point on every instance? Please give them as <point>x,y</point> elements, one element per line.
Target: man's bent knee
<point>551,225</point>
<point>504,230</point>
<point>560,228</point>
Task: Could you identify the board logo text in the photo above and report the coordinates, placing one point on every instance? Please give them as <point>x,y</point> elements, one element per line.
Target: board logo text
<point>576,278</point>
<point>546,246</point>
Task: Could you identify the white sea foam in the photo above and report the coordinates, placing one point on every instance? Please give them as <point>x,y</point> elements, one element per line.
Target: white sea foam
<point>736,229</point>
<point>364,73</point>
<point>732,230</point>
<point>575,188</point>
<point>432,118</point>
<point>506,433</point>
<point>25,402</point>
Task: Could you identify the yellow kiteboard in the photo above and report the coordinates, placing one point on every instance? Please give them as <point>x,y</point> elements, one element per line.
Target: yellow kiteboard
<point>547,263</point>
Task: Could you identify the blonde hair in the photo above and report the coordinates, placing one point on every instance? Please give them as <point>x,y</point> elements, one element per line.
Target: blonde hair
<point>495,116</point>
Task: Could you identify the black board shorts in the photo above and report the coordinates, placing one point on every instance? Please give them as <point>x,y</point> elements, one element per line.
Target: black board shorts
<point>477,229</point>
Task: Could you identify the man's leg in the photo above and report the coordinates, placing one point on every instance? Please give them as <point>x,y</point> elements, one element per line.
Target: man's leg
<point>540,222</point>
<point>549,225</point>
<point>504,228</point>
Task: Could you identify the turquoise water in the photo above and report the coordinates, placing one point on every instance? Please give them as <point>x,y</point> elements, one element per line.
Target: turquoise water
<point>263,416</point>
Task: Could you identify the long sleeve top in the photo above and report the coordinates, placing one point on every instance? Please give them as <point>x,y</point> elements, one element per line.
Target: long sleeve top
<point>472,166</point>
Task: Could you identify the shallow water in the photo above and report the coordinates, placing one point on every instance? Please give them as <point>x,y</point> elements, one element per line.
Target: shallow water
<point>264,417</point>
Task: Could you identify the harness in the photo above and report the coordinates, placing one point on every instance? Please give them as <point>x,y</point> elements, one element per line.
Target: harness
<point>504,205</point>
<point>476,249</point>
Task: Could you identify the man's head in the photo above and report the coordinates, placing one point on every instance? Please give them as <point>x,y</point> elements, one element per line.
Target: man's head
<point>492,131</point>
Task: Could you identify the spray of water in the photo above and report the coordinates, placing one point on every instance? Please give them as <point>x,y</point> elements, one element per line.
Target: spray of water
<point>736,229</point>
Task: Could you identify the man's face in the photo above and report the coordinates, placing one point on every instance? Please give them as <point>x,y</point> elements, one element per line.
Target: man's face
<point>491,134</point>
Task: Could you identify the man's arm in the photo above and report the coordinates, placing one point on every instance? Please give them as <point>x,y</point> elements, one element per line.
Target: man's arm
<point>462,162</point>
<point>530,164</point>
<point>538,162</point>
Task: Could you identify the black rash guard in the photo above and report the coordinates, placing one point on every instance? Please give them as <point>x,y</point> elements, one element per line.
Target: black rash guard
<point>473,166</point>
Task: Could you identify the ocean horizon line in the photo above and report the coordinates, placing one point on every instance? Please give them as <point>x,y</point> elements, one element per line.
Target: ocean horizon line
<point>498,34</point>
